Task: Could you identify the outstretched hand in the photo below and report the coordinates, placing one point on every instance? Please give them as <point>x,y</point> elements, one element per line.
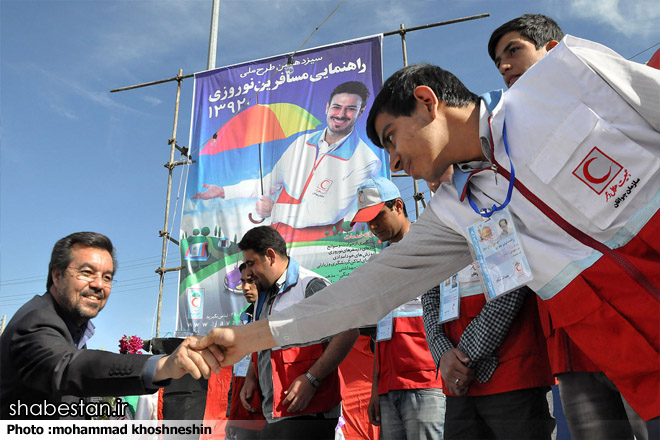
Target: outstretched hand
<point>212,192</point>
<point>231,344</point>
<point>185,360</point>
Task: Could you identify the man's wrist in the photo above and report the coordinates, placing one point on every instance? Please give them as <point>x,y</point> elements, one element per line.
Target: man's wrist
<point>313,380</point>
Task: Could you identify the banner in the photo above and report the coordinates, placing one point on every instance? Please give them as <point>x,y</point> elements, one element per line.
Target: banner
<point>279,141</point>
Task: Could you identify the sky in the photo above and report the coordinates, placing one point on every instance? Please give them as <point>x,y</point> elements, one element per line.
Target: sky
<point>74,156</point>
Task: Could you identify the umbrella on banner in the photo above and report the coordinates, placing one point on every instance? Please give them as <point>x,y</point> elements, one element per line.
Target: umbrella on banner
<point>257,124</point>
<point>260,123</point>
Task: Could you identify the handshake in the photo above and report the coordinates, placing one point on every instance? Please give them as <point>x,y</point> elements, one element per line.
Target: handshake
<point>223,346</point>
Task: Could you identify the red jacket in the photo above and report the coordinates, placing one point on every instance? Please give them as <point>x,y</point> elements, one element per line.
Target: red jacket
<point>523,358</point>
<point>404,362</point>
<point>287,365</point>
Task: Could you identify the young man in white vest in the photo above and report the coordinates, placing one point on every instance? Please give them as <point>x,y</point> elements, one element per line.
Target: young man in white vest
<point>592,405</point>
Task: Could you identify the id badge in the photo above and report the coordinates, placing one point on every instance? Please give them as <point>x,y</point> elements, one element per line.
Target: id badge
<point>384,328</point>
<point>241,368</point>
<point>450,299</point>
<point>497,248</point>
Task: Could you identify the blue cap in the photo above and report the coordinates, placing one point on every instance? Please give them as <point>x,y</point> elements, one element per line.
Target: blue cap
<point>372,195</point>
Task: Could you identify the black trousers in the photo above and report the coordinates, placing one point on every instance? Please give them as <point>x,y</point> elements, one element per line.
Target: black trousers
<point>313,426</point>
<point>518,415</point>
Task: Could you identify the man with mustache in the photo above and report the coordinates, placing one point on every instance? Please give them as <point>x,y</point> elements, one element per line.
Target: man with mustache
<point>45,368</point>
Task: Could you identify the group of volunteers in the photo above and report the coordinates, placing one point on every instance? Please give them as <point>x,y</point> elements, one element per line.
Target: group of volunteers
<point>552,206</point>
<point>536,262</point>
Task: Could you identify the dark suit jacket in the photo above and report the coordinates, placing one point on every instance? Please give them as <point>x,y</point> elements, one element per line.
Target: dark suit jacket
<point>39,362</point>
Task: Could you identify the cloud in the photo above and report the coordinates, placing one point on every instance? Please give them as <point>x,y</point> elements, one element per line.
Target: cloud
<point>149,31</point>
<point>629,17</point>
<point>64,112</point>
<point>152,100</point>
<point>66,84</point>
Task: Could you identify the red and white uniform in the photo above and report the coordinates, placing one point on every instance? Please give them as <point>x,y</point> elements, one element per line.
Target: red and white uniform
<point>587,181</point>
<point>404,361</point>
<point>318,184</point>
<point>277,368</point>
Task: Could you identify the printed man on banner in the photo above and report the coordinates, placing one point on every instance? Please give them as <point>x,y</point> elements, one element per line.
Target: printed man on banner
<point>317,176</point>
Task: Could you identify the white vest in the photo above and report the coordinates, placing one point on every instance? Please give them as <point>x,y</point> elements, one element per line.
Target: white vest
<point>593,158</point>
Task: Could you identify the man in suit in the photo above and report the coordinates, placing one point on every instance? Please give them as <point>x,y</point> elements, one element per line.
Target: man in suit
<point>45,368</point>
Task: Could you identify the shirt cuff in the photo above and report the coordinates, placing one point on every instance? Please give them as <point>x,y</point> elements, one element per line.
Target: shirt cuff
<point>148,373</point>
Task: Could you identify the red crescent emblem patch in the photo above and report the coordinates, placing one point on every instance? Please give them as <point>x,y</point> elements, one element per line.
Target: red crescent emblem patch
<point>597,170</point>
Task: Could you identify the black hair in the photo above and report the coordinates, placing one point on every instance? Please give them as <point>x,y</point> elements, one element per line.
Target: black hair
<point>390,204</point>
<point>354,88</point>
<point>536,27</point>
<point>262,238</point>
<point>242,267</point>
<point>397,97</point>
<point>61,256</point>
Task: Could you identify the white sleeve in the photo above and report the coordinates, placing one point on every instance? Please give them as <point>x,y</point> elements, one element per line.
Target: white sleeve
<point>429,252</point>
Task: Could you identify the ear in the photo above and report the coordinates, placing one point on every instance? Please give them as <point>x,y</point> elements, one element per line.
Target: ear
<point>327,107</point>
<point>550,44</point>
<point>426,97</point>
<point>398,206</point>
<point>270,255</point>
<point>57,276</point>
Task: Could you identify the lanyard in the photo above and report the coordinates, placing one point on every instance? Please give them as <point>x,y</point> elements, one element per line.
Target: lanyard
<point>485,212</point>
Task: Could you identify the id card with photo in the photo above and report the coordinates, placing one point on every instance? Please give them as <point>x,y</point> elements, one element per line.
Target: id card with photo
<point>385,327</point>
<point>497,248</point>
<point>450,299</point>
<point>241,368</point>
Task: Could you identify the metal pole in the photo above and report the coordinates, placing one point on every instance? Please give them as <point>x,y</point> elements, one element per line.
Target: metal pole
<point>213,35</point>
<point>170,166</point>
<point>402,32</point>
<point>385,34</point>
<point>2,326</point>
<point>403,46</point>
<point>439,23</point>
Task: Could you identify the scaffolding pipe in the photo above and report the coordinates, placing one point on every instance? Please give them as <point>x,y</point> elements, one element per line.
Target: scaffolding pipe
<point>170,169</point>
<point>416,194</point>
<point>213,35</point>
<point>385,34</point>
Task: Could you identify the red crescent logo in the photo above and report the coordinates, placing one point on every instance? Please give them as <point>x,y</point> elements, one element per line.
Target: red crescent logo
<point>195,302</point>
<point>324,183</point>
<point>361,197</point>
<point>592,179</point>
